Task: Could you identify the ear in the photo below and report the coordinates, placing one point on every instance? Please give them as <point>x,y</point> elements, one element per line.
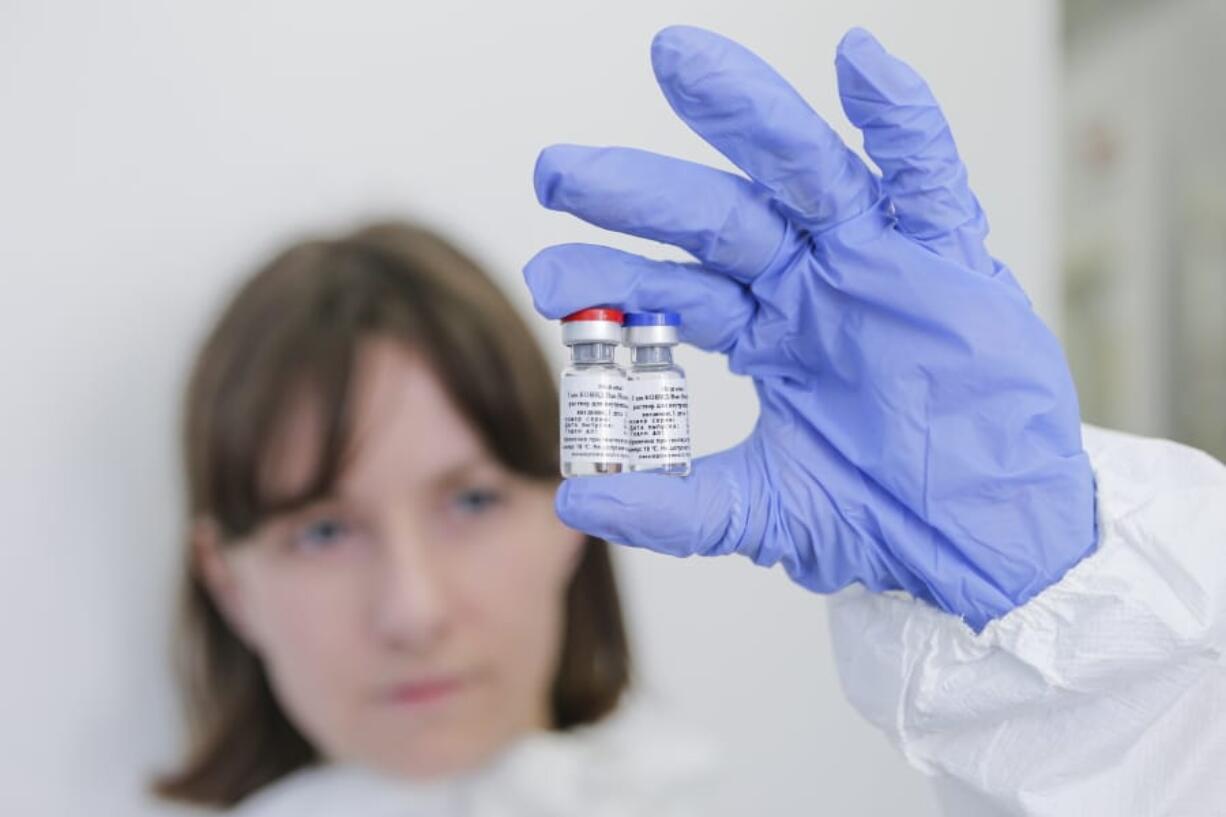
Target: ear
<point>216,571</point>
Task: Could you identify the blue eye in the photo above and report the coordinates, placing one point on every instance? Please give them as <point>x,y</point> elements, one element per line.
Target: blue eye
<point>476,501</point>
<point>320,534</point>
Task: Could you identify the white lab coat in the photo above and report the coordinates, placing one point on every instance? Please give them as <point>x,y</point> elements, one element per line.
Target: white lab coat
<point>635,762</point>
<point>1103,695</point>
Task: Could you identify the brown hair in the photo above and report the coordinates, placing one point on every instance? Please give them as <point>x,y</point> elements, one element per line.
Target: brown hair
<point>298,323</point>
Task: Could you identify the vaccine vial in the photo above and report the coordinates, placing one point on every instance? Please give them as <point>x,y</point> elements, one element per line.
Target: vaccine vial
<point>659,401</point>
<point>594,398</point>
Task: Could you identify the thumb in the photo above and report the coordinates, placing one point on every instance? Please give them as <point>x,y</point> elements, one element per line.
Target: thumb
<point>703,513</point>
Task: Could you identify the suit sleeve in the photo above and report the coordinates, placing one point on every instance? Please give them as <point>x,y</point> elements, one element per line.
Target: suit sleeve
<point>1105,694</point>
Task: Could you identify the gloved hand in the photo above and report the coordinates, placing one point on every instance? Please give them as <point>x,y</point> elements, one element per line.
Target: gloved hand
<point>919,428</point>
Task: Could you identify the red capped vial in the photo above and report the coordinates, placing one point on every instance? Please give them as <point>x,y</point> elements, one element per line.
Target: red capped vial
<point>594,400</point>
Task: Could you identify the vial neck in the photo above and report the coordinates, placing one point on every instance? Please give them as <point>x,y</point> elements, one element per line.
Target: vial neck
<point>592,353</point>
<point>651,355</point>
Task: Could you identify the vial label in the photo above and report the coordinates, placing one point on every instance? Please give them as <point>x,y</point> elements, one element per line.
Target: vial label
<point>594,409</point>
<point>659,423</point>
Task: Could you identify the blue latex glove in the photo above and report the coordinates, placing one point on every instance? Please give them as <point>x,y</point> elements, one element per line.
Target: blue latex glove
<point>919,429</point>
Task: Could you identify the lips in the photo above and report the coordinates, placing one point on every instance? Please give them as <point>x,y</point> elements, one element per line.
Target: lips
<point>429,690</point>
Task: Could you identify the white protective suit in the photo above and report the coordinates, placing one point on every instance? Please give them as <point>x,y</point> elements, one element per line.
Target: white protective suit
<point>1103,695</point>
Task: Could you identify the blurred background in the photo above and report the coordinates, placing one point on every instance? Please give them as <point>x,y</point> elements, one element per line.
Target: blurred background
<point>1143,190</point>
<point>152,154</point>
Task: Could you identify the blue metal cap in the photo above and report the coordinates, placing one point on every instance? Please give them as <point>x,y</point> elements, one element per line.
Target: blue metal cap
<point>651,319</point>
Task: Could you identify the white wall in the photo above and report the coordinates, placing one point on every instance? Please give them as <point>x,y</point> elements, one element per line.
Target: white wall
<point>151,153</point>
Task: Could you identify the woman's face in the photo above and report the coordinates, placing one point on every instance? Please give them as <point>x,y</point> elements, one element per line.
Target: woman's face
<point>411,622</point>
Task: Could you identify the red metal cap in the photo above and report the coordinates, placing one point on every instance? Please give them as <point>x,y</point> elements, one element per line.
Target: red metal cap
<point>596,313</point>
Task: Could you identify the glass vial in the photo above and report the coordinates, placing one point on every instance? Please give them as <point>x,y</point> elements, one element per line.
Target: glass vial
<point>659,400</point>
<point>594,398</point>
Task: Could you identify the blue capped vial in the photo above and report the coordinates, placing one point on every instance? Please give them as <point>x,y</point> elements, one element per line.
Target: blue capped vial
<point>659,416</point>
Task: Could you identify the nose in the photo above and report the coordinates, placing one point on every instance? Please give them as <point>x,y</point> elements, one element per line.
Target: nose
<point>411,607</point>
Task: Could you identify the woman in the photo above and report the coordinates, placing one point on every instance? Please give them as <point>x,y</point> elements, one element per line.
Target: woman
<point>378,589</point>
<point>1035,612</point>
